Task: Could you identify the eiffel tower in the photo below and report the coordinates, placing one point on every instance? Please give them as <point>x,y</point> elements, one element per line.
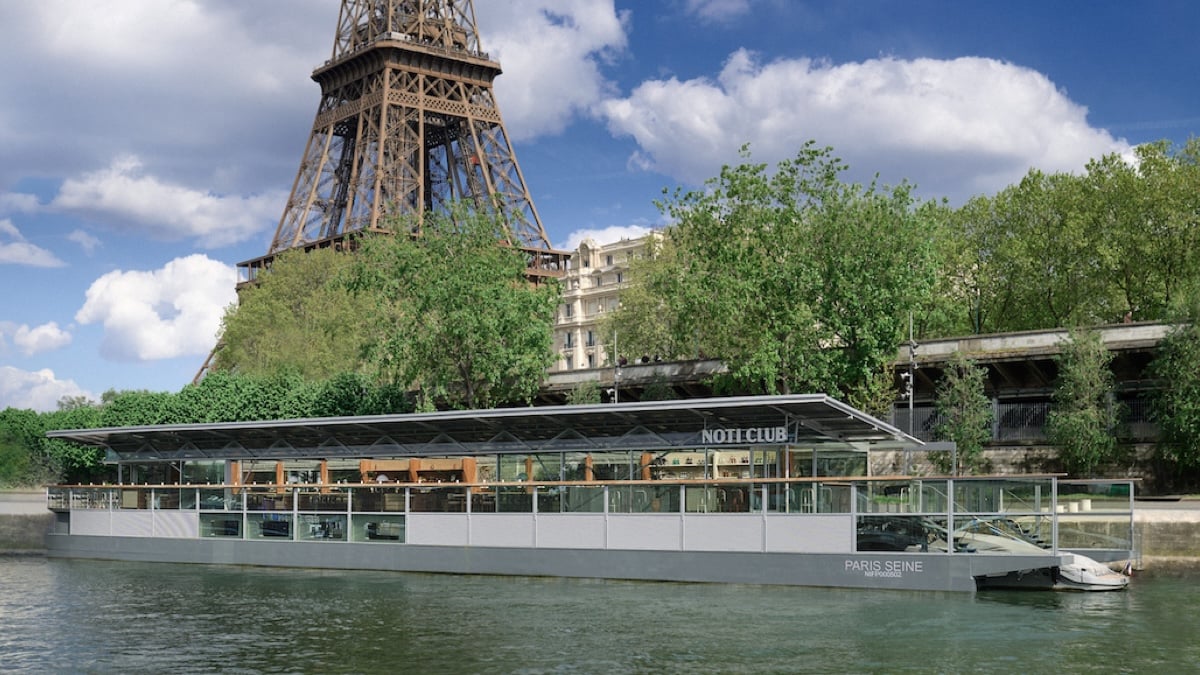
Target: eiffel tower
<point>407,124</point>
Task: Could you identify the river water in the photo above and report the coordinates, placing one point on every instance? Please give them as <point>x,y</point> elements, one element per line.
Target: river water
<point>61,616</point>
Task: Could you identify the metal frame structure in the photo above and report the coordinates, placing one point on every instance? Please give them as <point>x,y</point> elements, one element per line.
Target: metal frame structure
<point>654,425</point>
<point>407,123</point>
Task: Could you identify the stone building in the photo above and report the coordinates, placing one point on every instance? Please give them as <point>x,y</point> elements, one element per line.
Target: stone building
<point>591,289</point>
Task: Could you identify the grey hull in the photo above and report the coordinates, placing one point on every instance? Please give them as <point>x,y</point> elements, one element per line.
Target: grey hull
<point>906,571</point>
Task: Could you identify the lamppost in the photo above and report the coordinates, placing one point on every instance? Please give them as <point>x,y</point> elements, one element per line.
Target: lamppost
<point>910,387</point>
<point>616,392</point>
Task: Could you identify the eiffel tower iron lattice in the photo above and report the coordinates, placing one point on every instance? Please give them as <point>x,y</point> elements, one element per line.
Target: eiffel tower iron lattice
<point>407,123</point>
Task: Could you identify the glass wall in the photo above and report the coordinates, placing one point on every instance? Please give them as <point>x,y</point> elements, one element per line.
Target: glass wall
<point>209,472</point>
<point>227,525</point>
<point>377,528</point>
<point>269,525</point>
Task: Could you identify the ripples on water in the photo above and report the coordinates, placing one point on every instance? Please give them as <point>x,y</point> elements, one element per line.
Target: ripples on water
<point>87,616</point>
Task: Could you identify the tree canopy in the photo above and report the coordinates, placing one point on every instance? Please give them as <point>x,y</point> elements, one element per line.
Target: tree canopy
<point>453,316</point>
<point>1083,420</point>
<point>299,317</point>
<point>966,414</point>
<point>799,281</point>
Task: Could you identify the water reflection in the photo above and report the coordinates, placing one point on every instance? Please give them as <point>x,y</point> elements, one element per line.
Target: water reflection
<point>90,616</point>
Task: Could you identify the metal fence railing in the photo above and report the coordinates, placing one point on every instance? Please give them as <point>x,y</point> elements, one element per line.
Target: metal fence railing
<point>1023,421</point>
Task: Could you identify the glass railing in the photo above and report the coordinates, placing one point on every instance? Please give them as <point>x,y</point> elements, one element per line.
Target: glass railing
<point>922,515</point>
<point>1024,515</point>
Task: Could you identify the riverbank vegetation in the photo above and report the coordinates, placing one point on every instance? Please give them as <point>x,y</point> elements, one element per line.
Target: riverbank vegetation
<point>797,279</point>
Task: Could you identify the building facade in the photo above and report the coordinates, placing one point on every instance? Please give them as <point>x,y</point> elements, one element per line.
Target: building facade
<point>592,287</point>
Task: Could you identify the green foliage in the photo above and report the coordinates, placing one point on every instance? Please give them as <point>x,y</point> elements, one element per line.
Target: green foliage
<point>1177,401</point>
<point>15,462</point>
<point>25,456</point>
<point>766,271</point>
<point>1083,419</point>
<point>453,314</point>
<point>584,393</point>
<point>1060,249</point>
<point>298,318</point>
<point>966,414</point>
<point>658,389</point>
<point>75,463</point>
<point>138,408</point>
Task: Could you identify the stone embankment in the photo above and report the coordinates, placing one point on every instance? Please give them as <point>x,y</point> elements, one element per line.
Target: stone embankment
<point>1168,534</point>
<point>1167,531</point>
<point>24,521</point>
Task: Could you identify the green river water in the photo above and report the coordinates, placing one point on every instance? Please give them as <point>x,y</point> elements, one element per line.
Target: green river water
<point>68,616</point>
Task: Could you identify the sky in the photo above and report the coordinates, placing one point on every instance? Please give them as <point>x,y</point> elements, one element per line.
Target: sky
<point>148,146</point>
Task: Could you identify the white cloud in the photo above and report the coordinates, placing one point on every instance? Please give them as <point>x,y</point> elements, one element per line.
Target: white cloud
<point>956,128</point>
<point>21,252</point>
<point>607,235</point>
<point>18,202</point>
<point>550,79</point>
<point>43,338</point>
<point>123,196</point>
<point>160,78</point>
<point>85,240</point>
<point>717,10</point>
<point>37,390</point>
<point>172,311</point>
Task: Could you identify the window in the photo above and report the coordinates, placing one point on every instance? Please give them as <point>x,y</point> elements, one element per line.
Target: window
<point>591,360</point>
<point>567,311</point>
<point>608,260</point>
<point>591,340</point>
<point>569,341</point>
<point>620,277</point>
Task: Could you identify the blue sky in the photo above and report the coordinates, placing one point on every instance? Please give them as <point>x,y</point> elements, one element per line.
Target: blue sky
<point>147,146</point>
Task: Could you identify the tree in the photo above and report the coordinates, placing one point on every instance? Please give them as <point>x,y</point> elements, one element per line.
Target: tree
<point>1035,256</point>
<point>767,271</point>
<point>966,414</point>
<point>298,317</point>
<point>1176,404</point>
<point>1083,419</point>
<point>453,314</point>
<point>1057,249</point>
<point>1145,219</point>
<point>75,463</point>
<point>584,393</point>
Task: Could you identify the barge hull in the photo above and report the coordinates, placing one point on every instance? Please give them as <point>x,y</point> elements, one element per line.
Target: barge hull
<point>908,571</point>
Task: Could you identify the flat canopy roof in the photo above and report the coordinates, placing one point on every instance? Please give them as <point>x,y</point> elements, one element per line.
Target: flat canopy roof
<point>809,420</point>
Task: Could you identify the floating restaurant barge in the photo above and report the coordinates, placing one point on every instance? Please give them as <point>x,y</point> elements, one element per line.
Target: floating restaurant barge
<point>763,490</point>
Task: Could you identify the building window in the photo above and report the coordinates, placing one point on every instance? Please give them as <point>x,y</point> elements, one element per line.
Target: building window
<point>568,341</point>
<point>608,260</point>
<point>591,360</point>
<point>591,339</point>
<point>567,311</point>
<point>599,280</point>
<point>620,277</point>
